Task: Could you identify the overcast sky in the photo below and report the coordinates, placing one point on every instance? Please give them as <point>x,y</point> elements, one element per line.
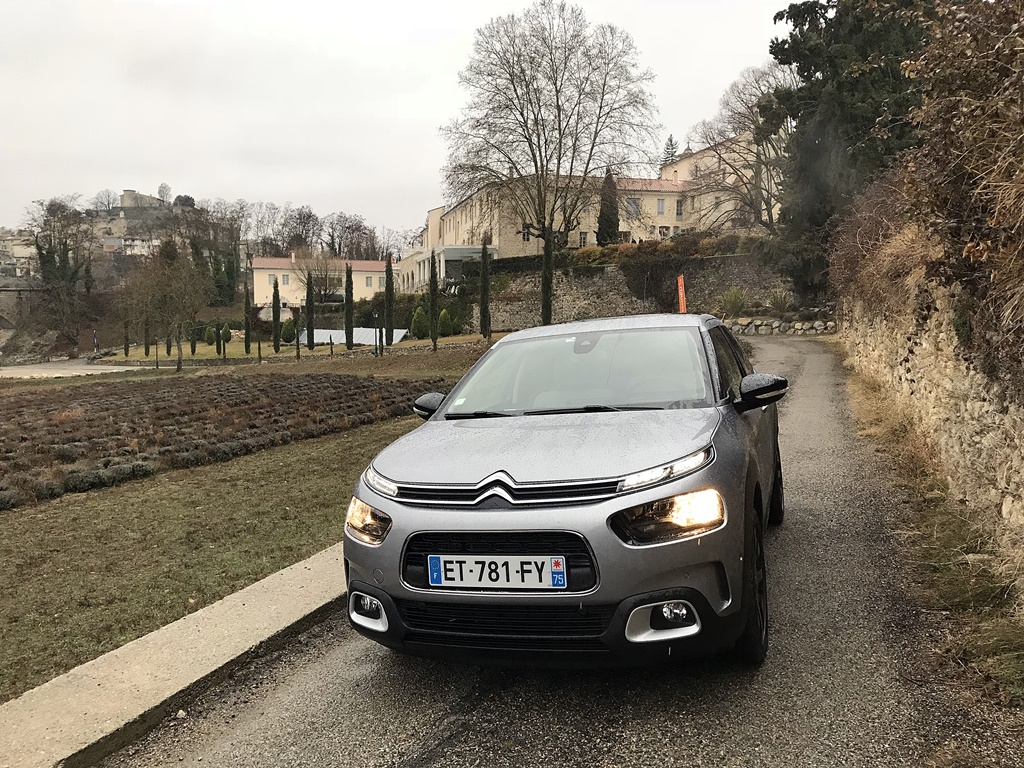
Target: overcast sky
<point>332,103</point>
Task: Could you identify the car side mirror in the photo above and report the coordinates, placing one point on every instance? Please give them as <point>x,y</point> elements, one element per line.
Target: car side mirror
<point>427,405</point>
<point>759,389</point>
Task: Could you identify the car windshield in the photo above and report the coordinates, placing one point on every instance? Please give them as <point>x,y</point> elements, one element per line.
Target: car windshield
<point>593,371</point>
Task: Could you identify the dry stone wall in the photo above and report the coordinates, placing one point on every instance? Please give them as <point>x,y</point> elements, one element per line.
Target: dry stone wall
<point>977,433</point>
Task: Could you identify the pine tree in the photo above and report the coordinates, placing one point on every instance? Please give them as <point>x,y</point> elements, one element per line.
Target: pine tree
<point>671,150</point>
<point>248,320</point>
<point>485,292</point>
<point>349,309</point>
<point>432,298</point>
<point>309,311</point>
<point>608,215</point>
<point>276,309</point>
<point>389,302</point>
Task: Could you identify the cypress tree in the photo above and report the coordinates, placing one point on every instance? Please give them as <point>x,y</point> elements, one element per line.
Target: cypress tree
<point>88,282</point>
<point>389,302</point>
<point>432,298</point>
<point>167,344</point>
<point>349,308</point>
<point>485,292</point>
<point>217,339</point>
<point>608,214</point>
<point>126,340</point>
<point>193,337</point>
<point>248,320</point>
<point>145,336</point>
<point>277,318</point>
<point>309,310</point>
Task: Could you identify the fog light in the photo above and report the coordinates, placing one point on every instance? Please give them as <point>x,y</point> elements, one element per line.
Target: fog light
<point>369,607</point>
<point>677,613</point>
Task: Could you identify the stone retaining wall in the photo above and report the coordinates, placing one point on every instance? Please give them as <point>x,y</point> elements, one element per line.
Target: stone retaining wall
<point>746,326</point>
<point>977,434</point>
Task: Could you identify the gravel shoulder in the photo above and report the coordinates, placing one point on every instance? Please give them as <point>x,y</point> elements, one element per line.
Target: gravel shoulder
<point>851,680</point>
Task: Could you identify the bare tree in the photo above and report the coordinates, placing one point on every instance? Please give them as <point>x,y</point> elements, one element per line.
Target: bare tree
<point>343,232</point>
<point>262,229</point>
<point>739,178</point>
<point>553,102</point>
<point>326,272</point>
<point>164,192</point>
<point>105,200</point>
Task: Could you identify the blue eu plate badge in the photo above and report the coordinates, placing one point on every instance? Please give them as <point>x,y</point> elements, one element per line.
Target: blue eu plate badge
<point>434,567</point>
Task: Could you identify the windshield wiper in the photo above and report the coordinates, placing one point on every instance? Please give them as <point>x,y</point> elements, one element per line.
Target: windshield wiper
<point>477,415</point>
<point>593,409</point>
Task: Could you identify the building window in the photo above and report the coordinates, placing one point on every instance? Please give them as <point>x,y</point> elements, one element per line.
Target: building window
<point>633,207</point>
<point>661,206</point>
<point>284,279</point>
<point>369,281</point>
<point>271,279</point>
<point>663,232</point>
<point>679,209</point>
<point>583,239</point>
<point>380,282</point>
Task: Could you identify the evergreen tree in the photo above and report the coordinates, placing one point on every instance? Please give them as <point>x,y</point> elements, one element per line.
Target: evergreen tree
<point>145,336</point>
<point>248,320</point>
<point>671,150</point>
<point>210,336</point>
<point>276,309</point>
<point>47,263</point>
<point>850,115</point>
<point>309,311</point>
<point>444,323</point>
<point>167,344</point>
<point>432,299</point>
<point>217,339</point>
<point>127,341</point>
<point>420,326</point>
<point>349,309</point>
<point>88,282</point>
<point>288,331</point>
<point>389,302</point>
<point>485,292</point>
<point>193,337</point>
<point>608,214</point>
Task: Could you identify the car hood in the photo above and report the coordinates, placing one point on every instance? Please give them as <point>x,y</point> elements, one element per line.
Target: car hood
<point>546,448</point>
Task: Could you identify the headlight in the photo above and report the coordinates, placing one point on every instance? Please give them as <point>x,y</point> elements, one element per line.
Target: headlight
<point>678,517</point>
<point>365,523</point>
<point>683,466</point>
<point>379,483</point>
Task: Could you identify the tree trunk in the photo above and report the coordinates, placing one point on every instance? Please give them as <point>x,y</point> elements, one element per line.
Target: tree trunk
<point>547,279</point>
<point>177,338</point>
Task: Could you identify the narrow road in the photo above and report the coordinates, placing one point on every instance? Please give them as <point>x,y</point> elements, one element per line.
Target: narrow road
<point>850,679</point>
<point>63,368</point>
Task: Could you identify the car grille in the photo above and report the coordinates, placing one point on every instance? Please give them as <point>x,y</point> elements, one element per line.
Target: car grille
<point>581,573</point>
<point>502,490</point>
<point>539,627</point>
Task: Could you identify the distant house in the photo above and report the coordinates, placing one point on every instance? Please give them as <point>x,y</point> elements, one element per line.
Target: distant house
<point>367,279</point>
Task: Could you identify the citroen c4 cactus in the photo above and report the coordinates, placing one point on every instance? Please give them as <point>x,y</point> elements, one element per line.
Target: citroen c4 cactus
<point>589,492</point>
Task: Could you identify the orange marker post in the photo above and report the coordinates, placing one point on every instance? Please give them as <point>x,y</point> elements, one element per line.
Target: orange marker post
<point>682,295</point>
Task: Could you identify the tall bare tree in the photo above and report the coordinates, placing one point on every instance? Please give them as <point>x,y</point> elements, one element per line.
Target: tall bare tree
<point>319,268</point>
<point>553,101</point>
<point>738,180</point>
<point>105,200</point>
<point>164,192</point>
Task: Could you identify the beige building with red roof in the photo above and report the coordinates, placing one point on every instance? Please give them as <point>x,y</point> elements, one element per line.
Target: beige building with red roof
<point>367,279</point>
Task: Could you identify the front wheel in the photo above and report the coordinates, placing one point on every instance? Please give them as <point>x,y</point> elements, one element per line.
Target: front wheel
<point>752,647</point>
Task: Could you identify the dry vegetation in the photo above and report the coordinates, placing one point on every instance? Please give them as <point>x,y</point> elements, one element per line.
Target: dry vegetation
<point>951,550</point>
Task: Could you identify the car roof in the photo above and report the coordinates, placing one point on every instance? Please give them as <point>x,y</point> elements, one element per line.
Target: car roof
<point>630,323</point>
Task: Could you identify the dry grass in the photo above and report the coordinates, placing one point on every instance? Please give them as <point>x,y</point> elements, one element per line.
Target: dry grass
<point>84,574</point>
<point>953,555</point>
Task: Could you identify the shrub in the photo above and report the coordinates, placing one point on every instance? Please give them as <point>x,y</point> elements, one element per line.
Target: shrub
<point>211,335</point>
<point>420,326</point>
<point>626,252</point>
<point>728,244</point>
<point>225,333</point>
<point>587,255</point>
<point>667,248</point>
<point>611,254</point>
<point>288,331</point>
<point>780,301</point>
<point>733,302</point>
<point>444,323</point>
<point>707,246</point>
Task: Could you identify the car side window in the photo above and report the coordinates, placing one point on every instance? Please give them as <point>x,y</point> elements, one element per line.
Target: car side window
<point>745,365</point>
<point>728,369</point>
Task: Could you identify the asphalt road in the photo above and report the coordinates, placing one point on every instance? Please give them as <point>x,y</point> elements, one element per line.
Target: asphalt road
<point>851,679</point>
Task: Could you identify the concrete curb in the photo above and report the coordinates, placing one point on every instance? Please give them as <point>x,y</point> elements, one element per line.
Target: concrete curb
<point>92,711</point>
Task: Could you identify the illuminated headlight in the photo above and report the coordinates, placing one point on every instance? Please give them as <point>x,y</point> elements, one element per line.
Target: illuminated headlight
<point>380,484</point>
<point>678,517</point>
<point>667,472</point>
<point>365,523</point>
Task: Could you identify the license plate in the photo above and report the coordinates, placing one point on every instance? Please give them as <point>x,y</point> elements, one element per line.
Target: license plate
<point>512,572</point>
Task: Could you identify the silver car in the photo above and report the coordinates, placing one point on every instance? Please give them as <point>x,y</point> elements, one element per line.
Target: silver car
<point>595,491</point>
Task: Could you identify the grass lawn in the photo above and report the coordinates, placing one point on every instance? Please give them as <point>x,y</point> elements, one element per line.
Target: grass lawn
<point>86,573</point>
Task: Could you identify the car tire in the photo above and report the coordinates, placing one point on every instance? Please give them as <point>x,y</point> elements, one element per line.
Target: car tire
<point>752,646</point>
<point>777,504</point>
